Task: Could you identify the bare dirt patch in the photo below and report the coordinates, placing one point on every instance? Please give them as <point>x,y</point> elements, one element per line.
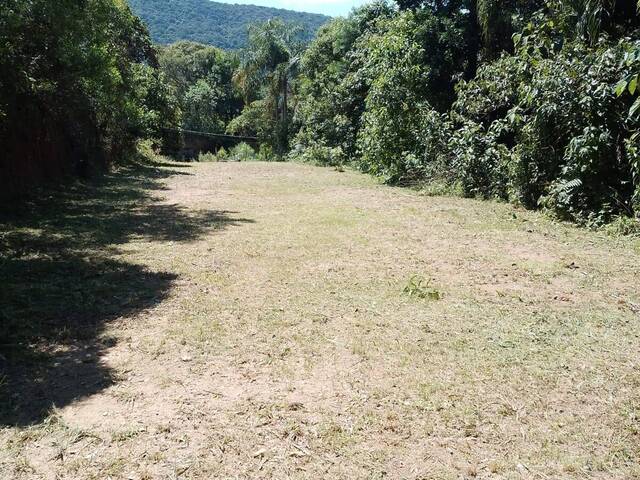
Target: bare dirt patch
<point>256,324</point>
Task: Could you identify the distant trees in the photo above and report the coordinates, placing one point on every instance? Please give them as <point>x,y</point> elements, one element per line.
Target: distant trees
<point>214,23</point>
<point>78,86</point>
<point>201,78</point>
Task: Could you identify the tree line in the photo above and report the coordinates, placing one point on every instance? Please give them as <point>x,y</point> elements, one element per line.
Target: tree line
<point>535,102</point>
<point>81,84</point>
<point>531,101</point>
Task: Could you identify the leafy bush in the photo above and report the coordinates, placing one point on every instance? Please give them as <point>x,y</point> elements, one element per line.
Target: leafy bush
<point>222,155</point>
<point>545,128</point>
<point>243,152</point>
<point>318,154</point>
<point>265,153</point>
<point>624,226</point>
<point>207,157</point>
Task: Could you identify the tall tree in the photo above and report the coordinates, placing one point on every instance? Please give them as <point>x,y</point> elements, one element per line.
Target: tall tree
<point>267,69</point>
<point>202,78</point>
<point>77,86</point>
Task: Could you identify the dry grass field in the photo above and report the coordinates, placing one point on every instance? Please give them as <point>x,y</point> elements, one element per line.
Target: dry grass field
<point>284,321</point>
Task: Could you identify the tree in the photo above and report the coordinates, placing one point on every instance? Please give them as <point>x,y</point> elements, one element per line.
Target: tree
<point>201,77</point>
<point>78,87</point>
<point>333,87</point>
<point>267,69</point>
<point>534,102</point>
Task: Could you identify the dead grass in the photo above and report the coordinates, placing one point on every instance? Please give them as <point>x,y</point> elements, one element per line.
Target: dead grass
<point>288,346</point>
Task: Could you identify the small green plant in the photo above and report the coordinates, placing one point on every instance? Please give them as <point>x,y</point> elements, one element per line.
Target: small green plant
<point>222,155</point>
<point>207,157</point>
<point>265,154</point>
<point>623,226</point>
<point>420,287</point>
<point>441,188</point>
<point>243,152</point>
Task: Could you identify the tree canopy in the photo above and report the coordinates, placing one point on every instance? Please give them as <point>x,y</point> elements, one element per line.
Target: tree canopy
<point>200,76</point>
<point>78,86</point>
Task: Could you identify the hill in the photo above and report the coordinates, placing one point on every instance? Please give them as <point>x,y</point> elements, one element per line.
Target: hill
<point>220,24</point>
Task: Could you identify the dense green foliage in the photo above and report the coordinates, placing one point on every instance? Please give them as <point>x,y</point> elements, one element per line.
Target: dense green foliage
<point>78,86</point>
<point>200,77</point>
<point>334,87</point>
<point>530,102</point>
<point>213,23</point>
<point>265,76</point>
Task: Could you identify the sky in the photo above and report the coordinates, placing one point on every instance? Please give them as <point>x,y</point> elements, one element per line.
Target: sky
<point>328,7</point>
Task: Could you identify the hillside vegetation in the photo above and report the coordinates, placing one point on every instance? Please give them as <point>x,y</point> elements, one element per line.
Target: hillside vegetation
<point>530,101</point>
<point>219,24</point>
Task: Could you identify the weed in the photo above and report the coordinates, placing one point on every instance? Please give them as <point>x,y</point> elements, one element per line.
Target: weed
<point>420,287</point>
<point>623,226</point>
<point>125,435</point>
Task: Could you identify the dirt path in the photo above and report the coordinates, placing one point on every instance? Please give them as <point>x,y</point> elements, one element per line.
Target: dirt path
<point>308,323</point>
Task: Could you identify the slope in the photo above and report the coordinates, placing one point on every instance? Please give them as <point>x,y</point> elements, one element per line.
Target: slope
<point>218,24</point>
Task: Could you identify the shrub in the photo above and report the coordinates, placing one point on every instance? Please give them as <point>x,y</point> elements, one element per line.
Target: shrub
<point>222,155</point>
<point>265,153</point>
<point>333,87</point>
<point>409,84</point>
<point>317,154</point>
<point>207,157</point>
<point>624,226</point>
<point>243,152</point>
<point>546,129</point>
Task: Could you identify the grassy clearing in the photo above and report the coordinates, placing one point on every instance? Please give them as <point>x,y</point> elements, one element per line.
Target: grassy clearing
<point>258,320</point>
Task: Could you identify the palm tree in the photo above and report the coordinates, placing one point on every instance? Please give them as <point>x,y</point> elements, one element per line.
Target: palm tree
<point>267,67</point>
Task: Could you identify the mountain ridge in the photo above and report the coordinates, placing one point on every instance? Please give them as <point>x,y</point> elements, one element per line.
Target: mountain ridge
<point>219,24</point>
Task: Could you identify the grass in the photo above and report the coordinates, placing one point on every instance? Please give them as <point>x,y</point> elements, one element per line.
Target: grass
<point>266,320</point>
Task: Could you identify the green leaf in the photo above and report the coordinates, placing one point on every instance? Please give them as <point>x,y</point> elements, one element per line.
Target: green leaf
<point>620,87</point>
<point>634,108</point>
<point>633,84</point>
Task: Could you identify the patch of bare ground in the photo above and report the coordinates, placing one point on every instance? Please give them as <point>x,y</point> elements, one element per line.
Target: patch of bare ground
<point>288,344</point>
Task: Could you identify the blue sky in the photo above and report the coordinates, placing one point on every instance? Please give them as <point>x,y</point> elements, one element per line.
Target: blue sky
<point>328,7</point>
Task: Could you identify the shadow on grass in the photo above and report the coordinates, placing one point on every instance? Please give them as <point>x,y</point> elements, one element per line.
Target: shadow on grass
<point>62,281</point>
